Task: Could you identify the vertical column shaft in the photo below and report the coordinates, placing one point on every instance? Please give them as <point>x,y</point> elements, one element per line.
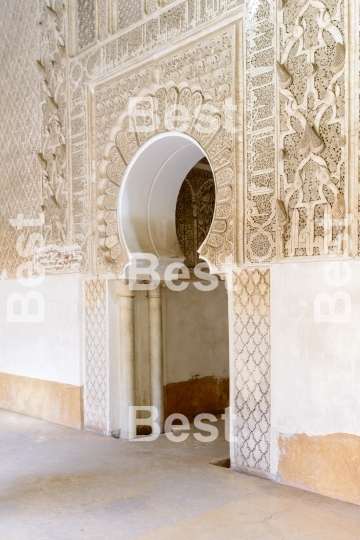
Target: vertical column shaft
<point>156,353</point>
<point>127,360</point>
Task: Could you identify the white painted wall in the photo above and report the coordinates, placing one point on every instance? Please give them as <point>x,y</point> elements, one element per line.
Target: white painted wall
<point>315,365</point>
<point>51,350</point>
<point>196,333</point>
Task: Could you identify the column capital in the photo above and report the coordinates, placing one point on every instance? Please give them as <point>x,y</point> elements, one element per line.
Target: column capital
<point>123,289</point>
<point>155,293</point>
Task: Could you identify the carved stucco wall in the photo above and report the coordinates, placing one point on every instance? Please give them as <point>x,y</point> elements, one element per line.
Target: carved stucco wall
<point>283,217</point>
<point>36,208</point>
<point>150,34</point>
<point>297,192</point>
<point>20,128</point>
<point>313,174</point>
<point>299,185</point>
<point>52,66</point>
<point>95,20</point>
<point>356,99</point>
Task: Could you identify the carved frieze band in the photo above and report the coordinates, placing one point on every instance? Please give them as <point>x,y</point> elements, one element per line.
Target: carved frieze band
<point>202,74</point>
<point>96,19</point>
<point>313,194</point>
<point>260,99</point>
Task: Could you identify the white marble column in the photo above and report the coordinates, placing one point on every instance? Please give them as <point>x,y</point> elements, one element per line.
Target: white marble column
<point>156,353</point>
<point>127,359</point>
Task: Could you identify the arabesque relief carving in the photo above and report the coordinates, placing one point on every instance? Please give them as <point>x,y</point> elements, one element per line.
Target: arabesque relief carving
<point>311,75</point>
<point>53,154</point>
<point>200,79</point>
<point>194,213</point>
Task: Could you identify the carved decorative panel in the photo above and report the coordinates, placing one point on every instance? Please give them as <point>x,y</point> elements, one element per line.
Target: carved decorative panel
<point>53,259</point>
<point>86,23</point>
<point>260,131</point>
<point>53,154</point>
<point>103,17</point>
<point>96,388</point>
<point>152,33</point>
<point>201,74</point>
<point>194,213</point>
<point>312,72</point>
<point>252,366</point>
<point>129,12</point>
<point>20,125</point>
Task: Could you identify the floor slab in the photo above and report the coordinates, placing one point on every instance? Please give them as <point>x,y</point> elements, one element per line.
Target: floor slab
<point>59,483</point>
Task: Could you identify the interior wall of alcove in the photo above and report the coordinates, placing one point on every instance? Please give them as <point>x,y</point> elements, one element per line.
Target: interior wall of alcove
<point>196,350</point>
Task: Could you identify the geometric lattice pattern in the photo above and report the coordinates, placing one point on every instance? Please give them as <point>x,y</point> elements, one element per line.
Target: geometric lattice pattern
<point>129,12</point>
<point>20,125</point>
<point>252,365</point>
<point>86,13</point>
<point>96,388</point>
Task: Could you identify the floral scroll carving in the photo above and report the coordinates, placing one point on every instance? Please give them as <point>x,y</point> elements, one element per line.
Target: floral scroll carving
<point>53,155</point>
<point>194,213</point>
<point>311,75</point>
<point>186,79</point>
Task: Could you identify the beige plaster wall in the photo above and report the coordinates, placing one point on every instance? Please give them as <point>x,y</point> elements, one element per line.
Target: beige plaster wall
<point>328,464</point>
<point>316,379</point>
<point>196,351</point>
<point>55,402</point>
<point>196,335</point>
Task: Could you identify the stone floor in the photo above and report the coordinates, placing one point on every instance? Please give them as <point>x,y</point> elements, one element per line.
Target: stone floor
<point>58,483</point>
